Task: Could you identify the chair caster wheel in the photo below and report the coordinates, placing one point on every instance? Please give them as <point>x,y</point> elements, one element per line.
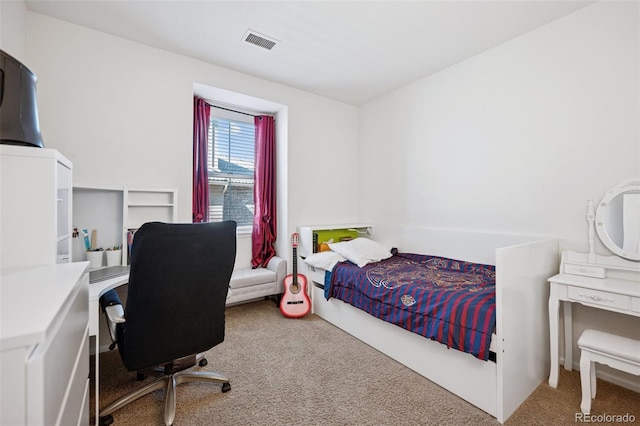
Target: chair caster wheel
<point>203,362</point>
<point>226,387</point>
<point>106,420</point>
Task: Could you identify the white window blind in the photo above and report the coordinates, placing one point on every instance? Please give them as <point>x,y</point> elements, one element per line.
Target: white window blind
<point>232,152</point>
<point>231,165</point>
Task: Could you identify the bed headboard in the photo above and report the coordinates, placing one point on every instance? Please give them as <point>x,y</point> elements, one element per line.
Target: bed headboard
<point>311,236</point>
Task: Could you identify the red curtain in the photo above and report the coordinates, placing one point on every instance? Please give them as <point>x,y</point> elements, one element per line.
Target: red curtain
<point>200,198</point>
<point>264,193</point>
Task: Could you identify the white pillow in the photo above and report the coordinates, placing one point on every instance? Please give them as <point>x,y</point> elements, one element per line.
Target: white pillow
<point>361,251</point>
<point>324,260</point>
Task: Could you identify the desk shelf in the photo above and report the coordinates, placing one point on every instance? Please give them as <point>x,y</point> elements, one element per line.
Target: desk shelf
<point>146,205</point>
<point>115,212</point>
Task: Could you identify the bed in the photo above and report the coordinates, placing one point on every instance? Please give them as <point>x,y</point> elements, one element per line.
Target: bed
<point>519,346</point>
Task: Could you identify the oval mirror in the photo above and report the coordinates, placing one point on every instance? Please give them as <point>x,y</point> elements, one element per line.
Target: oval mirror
<point>618,219</point>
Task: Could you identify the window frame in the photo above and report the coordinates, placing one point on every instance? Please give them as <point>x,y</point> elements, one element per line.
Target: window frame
<point>223,113</point>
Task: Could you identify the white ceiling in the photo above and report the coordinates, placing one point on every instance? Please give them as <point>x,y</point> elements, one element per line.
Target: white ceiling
<point>351,51</point>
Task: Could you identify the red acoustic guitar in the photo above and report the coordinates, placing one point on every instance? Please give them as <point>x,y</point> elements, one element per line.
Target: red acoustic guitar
<point>295,302</point>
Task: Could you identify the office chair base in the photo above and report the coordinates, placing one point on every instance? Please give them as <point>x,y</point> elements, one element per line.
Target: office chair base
<point>169,382</point>
<point>106,420</point>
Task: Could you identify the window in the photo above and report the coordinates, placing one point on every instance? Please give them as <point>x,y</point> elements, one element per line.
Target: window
<point>231,165</point>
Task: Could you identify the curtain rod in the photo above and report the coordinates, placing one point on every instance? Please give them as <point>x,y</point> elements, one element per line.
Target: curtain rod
<point>232,110</point>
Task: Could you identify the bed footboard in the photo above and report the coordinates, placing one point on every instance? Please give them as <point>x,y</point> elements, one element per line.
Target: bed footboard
<point>522,301</point>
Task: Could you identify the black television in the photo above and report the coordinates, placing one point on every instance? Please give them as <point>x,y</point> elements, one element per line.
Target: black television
<point>18,108</point>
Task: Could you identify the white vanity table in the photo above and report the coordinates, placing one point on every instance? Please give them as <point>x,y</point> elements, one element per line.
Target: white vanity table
<point>610,283</point>
<point>617,293</point>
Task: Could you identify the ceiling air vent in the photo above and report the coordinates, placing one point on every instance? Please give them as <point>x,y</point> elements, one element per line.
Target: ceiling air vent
<point>259,40</point>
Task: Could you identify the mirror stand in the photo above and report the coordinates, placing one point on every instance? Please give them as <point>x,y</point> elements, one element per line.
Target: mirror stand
<point>614,222</point>
<point>618,217</point>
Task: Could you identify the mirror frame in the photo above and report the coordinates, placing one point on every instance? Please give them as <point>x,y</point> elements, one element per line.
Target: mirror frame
<point>621,188</point>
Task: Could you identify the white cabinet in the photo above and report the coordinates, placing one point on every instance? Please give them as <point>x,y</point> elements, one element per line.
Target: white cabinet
<point>35,206</point>
<point>44,345</point>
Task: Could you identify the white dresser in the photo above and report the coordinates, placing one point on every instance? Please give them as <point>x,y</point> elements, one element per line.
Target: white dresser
<point>44,345</point>
<point>35,210</point>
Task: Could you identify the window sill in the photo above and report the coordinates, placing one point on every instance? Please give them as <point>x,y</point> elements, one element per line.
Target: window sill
<point>244,231</point>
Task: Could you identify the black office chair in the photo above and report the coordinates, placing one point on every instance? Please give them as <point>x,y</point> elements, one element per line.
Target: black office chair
<point>175,306</point>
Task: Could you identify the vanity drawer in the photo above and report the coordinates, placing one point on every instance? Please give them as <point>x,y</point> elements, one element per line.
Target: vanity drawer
<point>602,298</point>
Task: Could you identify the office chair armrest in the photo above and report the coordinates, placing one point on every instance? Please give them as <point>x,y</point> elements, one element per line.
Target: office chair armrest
<point>115,313</point>
<point>109,298</point>
<point>112,307</point>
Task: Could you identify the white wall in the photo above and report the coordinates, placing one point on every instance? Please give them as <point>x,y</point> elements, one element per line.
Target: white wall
<point>13,27</point>
<point>514,140</point>
<point>122,112</point>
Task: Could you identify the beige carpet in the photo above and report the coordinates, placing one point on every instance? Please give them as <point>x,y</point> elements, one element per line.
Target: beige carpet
<point>308,372</point>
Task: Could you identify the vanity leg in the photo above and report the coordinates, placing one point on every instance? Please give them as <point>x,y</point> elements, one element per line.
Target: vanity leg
<point>554,311</point>
<point>568,336</point>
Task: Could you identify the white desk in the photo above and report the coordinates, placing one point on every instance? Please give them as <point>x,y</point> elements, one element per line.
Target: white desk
<point>95,291</point>
<point>620,295</point>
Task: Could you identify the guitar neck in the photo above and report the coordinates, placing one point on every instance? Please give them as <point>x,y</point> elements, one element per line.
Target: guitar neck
<point>295,265</point>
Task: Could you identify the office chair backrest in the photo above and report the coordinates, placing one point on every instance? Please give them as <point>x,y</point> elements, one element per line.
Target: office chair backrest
<point>177,291</point>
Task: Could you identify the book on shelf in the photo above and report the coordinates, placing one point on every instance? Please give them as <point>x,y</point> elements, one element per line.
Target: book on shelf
<point>130,233</point>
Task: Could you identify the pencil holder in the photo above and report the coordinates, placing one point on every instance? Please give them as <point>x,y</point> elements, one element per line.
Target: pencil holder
<point>114,257</point>
<point>95,259</point>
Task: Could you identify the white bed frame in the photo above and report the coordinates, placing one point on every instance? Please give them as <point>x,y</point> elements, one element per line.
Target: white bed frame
<point>521,342</point>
